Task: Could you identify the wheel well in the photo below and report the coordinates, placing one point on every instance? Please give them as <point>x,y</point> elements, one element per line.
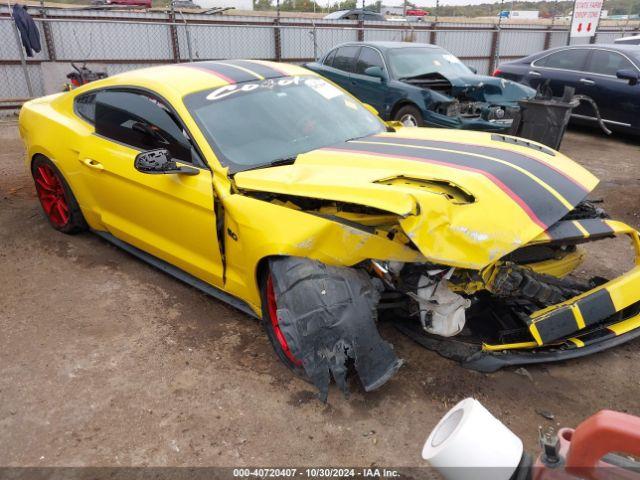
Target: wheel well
<point>399,105</point>
<point>33,157</point>
<point>261,269</point>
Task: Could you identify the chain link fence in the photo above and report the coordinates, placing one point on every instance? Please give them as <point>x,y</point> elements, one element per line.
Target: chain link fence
<point>120,41</point>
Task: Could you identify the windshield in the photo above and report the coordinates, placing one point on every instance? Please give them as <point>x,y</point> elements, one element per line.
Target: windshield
<point>254,124</point>
<point>412,62</point>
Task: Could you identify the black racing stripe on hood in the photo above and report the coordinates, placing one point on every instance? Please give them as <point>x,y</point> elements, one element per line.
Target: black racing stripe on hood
<point>572,191</point>
<point>565,230</point>
<point>228,72</point>
<point>538,202</point>
<point>596,227</point>
<point>262,70</point>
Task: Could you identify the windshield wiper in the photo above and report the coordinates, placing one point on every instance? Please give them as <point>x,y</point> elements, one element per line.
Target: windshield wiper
<point>274,163</point>
<point>282,161</point>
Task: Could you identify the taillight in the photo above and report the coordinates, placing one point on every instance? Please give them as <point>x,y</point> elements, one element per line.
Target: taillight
<point>497,72</point>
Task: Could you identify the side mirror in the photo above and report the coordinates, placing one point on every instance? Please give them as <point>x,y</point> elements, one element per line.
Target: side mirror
<point>473,69</point>
<point>377,72</point>
<point>156,162</point>
<point>371,109</point>
<point>628,74</point>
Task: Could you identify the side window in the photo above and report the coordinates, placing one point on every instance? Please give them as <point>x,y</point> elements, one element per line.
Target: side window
<point>328,60</point>
<point>141,121</point>
<point>368,58</point>
<point>572,59</point>
<point>608,63</point>
<point>345,58</point>
<point>85,106</point>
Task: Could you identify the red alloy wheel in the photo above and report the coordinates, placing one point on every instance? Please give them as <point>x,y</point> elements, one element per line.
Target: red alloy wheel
<point>52,196</point>
<point>273,315</point>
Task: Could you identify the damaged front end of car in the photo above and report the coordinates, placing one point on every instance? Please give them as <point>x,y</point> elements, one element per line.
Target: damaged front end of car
<point>475,103</point>
<point>496,225</point>
<point>527,307</point>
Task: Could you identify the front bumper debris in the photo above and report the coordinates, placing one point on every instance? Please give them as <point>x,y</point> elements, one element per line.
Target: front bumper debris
<point>603,317</point>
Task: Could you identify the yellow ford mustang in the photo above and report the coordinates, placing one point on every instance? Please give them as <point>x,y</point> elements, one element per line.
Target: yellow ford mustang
<point>272,189</point>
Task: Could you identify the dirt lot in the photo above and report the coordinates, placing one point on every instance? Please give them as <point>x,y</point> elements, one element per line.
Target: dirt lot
<point>106,361</point>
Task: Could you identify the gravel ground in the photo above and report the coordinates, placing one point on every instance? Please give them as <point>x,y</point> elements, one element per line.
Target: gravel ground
<point>106,361</point>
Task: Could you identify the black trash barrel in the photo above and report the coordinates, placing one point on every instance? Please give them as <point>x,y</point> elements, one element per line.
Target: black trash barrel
<point>543,120</point>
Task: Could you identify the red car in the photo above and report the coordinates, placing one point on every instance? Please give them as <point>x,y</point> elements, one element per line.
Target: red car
<point>417,12</point>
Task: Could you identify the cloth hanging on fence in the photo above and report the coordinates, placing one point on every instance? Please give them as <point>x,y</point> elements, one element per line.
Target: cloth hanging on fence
<point>28,30</point>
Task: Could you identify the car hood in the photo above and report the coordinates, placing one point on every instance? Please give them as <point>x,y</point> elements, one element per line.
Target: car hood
<point>464,199</point>
<point>481,88</point>
<point>489,89</point>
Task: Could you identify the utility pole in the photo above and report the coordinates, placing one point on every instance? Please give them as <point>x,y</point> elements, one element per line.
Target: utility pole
<point>404,8</point>
<point>278,9</point>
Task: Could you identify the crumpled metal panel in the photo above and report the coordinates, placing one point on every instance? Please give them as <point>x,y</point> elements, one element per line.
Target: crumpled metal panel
<point>327,315</point>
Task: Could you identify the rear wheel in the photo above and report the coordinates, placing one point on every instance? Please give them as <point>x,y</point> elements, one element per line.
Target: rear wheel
<point>271,324</point>
<point>57,200</point>
<point>409,116</point>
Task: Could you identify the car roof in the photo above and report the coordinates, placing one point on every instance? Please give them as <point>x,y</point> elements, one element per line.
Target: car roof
<point>629,50</point>
<point>632,51</point>
<point>180,79</point>
<point>340,13</point>
<point>392,45</point>
<point>336,14</point>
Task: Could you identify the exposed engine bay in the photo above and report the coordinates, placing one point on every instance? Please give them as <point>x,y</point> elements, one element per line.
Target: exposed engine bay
<point>481,101</point>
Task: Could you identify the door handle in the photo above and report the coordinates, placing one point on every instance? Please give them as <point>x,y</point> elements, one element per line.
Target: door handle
<point>93,164</point>
<point>586,81</point>
<point>533,73</point>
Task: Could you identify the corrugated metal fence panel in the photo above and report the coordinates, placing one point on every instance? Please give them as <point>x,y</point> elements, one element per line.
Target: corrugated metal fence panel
<point>106,14</point>
<point>115,68</point>
<point>398,35</point>
<point>607,37</point>
<point>482,66</point>
<point>13,84</point>
<point>297,43</point>
<point>77,40</point>
<point>558,39</point>
<point>580,40</point>
<point>128,40</point>
<point>466,43</point>
<point>9,44</point>
<point>227,41</point>
<point>521,43</point>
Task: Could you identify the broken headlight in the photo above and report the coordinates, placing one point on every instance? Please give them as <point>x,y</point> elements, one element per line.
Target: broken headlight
<point>500,114</point>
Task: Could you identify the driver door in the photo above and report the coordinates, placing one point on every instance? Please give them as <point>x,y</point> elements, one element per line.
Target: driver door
<point>371,90</point>
<point>170,216</point>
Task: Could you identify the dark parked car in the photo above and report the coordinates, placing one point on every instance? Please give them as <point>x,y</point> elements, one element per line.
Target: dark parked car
<point>355,14</point>
<point>608,74</point>
<point>422,85</point>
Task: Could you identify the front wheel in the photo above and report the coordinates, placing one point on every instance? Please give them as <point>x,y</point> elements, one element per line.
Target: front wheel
<point>409,116</point>
<point>57,199</point>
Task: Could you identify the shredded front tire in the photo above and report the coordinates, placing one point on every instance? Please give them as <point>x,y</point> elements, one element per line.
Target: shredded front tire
<point>327,317</point>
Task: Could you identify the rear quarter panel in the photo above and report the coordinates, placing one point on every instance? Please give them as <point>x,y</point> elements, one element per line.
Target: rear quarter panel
<point>49,127</point>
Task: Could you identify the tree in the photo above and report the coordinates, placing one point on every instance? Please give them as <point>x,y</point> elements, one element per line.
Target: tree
<point>262,4</point>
